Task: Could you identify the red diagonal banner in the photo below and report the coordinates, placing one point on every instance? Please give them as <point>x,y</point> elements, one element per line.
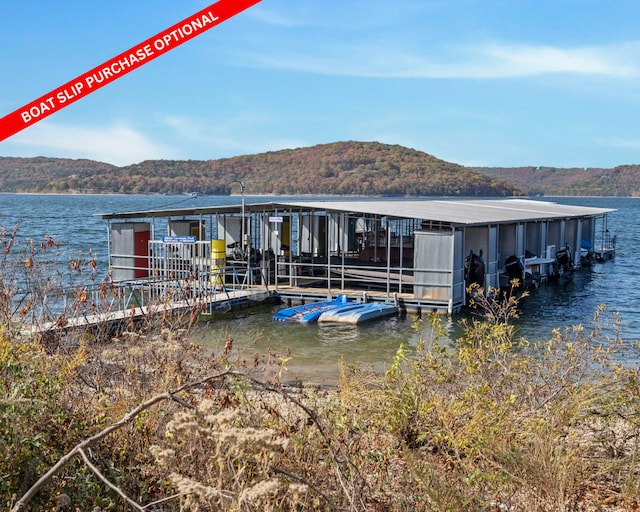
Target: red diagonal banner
<point>121,65</point>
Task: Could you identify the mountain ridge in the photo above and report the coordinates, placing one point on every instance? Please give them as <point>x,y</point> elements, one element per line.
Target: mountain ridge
<point>338,168</point>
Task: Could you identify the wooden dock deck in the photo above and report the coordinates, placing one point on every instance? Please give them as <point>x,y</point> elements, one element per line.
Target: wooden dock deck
<point>218,302</point>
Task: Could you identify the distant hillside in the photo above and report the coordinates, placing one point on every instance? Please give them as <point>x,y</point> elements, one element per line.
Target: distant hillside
<point>623,180</point>
<point>345,168</point>
<point>36,174</point>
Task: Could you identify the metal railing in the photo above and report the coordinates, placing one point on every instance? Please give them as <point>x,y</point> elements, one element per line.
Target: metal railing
<point>337,276</point>
<point>179,276</point>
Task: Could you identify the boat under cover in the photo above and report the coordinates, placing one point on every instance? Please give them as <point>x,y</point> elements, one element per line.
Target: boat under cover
<point>357,313</point>
<point>307,313</point>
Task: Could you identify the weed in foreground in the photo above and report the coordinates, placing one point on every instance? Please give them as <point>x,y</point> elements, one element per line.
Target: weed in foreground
<point>491,423</point>
<point>497,421</point>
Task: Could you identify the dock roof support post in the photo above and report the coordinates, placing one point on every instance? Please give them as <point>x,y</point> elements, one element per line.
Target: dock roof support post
<point>341,231</point>
<point>401,265</point>
<point>388,257</point>
<point>328,231</point>
<point>276,252</point>
<point>242,226</point>
<point>375,237</point>
<point>108,245</point>
<point>246,244</point>
<point>312,235</point>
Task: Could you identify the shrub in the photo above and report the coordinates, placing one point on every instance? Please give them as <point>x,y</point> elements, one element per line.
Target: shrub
<point>37,424</point>
<point>498,421</point>
<point>492,422</point>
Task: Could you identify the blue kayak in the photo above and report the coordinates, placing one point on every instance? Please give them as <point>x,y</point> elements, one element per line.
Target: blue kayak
<point>307,313</point>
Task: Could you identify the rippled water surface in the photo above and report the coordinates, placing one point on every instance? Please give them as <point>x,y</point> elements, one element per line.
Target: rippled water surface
<point>316,350</point>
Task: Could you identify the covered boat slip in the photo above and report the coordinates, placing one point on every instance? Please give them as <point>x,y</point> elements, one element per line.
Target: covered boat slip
<point>420,253</point>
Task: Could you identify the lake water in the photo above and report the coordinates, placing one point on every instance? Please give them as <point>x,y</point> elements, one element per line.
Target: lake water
<point>315,350</point>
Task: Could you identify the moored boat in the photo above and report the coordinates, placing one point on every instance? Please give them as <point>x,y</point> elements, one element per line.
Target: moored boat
<point>307,313</point>
<point>358,313</point>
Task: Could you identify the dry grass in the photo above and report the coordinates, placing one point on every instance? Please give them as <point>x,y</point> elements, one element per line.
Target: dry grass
<point>492,424</point>
<point>488,426</point>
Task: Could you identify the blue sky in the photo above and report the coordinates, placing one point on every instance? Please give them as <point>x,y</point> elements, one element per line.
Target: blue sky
<point>476,82</point>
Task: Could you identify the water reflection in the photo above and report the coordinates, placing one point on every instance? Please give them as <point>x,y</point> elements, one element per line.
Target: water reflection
<point>316,350</point>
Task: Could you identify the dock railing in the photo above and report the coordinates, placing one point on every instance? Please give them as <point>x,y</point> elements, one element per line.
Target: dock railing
<point>179,277</point>
<point>432,285</point>
<point>205,290</point>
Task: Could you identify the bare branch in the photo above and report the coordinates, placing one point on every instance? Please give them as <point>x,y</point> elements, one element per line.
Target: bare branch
<point>22,503</point>
<point>157,502</point>
<point>106,481</point>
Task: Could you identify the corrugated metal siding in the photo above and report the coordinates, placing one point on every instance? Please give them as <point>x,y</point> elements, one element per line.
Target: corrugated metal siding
<point>433,265</point>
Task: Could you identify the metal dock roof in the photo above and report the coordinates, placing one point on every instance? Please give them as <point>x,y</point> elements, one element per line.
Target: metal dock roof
<point>464,212</point>
<point>455,211</point>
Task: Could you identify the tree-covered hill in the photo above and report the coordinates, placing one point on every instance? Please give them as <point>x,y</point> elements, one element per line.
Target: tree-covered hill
<point>348,168</point>
<point>36,174</point>
<point>344,168</point>
<point>623,180</point>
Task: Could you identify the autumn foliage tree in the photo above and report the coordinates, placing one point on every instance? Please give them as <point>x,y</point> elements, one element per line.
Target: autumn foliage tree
<point>344,168</point>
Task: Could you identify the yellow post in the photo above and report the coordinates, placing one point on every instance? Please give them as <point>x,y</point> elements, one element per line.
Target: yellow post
<point>218,261</point>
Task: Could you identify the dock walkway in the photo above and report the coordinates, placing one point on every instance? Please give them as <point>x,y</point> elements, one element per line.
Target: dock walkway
<point>215,301</point>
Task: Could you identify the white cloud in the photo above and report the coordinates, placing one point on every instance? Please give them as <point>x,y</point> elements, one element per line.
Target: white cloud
<point>187,127</point>
<point>269,17</point>
<point>236,136</point>
<point>523,60</point>
<point>117,144</point>
<point>486,60</point>
<point>620,143</point>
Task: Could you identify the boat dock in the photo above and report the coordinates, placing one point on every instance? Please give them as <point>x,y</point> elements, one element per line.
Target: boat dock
<point>418,254</point>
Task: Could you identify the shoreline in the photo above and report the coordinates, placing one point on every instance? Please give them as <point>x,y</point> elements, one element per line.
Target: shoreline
<point>114,194</point>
